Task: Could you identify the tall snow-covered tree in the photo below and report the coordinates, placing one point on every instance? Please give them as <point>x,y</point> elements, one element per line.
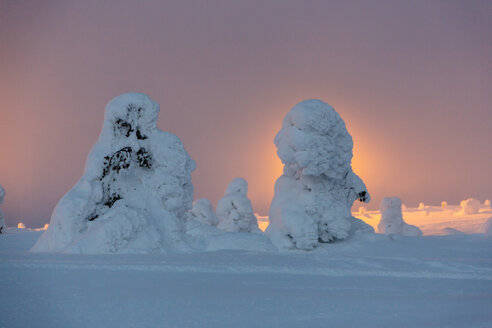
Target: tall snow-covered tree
<point>135,192</point>
<point>314,195</point>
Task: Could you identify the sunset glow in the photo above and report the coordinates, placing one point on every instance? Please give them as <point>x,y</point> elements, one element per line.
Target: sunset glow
<point>143,147</point>
<point>413,136</point>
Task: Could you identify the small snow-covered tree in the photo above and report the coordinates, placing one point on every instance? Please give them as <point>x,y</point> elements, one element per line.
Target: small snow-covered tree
<point>3,226</point>
<point>202,211</point>
<point>470,206</point>
<point>391,222</point>
<point>314,195</point>
<point>235,211</point>
<point>135,192</point>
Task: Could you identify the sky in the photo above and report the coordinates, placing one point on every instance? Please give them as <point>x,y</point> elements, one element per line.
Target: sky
<point>411,79</point>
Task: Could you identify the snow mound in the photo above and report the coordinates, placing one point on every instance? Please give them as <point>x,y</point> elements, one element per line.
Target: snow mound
<point>202,211</point>
<point>3,226</point>
<point>314,196</point>
<point>391,222</point>
<point>470,206</point>
<point>235,211</point>
<point>135,192</point>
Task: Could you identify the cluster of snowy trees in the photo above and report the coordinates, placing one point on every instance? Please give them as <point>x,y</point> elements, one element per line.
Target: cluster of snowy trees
<point>136,193</point>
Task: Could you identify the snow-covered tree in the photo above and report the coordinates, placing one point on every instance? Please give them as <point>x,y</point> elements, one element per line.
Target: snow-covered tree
<point>391,222</point>
<point>470,206</point>
<point>314,196</point>
<point>487,227</point>
<point>135,192</point>
<point>3,226</point>
<point>202,211</point>
<point>235,211</point>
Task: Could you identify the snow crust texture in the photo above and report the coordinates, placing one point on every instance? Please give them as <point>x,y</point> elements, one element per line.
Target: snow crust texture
<point>314,195</point>
<point>3,226</point>
<point>392,220</point>
<point>135,192</point>
<point>235,211</point>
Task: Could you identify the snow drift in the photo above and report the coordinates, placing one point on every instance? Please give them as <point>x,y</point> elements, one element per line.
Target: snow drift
<point>314,195</point>
<point>235,211</point>
<point>392,219</point>
<point>3,226</point>
<point>135,191</point>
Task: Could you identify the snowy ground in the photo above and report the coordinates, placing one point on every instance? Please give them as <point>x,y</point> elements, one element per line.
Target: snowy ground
<point>378,281</point>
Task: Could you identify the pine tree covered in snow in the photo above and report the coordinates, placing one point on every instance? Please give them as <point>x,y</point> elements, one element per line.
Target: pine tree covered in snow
<point>392,220</point>
<point>3,226</point>
<point>202,211</point>
<point>235,211</point>
<point>135,192</point>
<point>314,196</point>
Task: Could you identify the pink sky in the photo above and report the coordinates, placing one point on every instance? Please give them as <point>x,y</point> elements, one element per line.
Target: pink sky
<point>411,79</point>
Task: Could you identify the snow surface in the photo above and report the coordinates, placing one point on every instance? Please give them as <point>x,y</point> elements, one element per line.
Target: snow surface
<point>235,211</point>
<point>392,219</point>
<point>314,195</point>
<point>366,281</point>
<point>135,192</point>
